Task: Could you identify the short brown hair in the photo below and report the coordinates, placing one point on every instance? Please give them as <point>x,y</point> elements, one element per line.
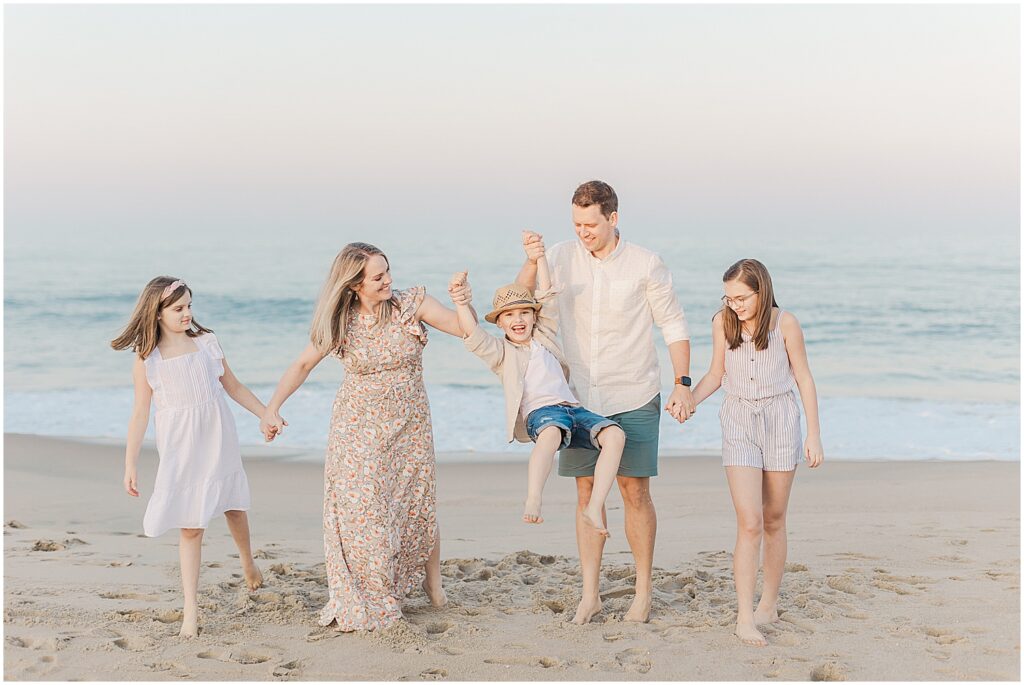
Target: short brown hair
<point>597,193</point>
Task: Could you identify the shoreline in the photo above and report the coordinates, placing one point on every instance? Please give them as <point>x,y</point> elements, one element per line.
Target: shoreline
<point>901,571</point>
<point>275,453</point>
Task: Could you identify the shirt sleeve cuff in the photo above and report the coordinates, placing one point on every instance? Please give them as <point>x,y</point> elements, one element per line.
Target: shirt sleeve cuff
<point>675,333</point>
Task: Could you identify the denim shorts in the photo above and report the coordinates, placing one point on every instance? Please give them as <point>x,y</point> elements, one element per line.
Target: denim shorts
<point>579,425</point>
<point>639,457</point>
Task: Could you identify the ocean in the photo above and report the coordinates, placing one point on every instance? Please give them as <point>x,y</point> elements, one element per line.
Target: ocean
<point>914,346</point>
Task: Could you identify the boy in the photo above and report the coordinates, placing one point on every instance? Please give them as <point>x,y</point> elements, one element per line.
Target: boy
<point>539,403</point>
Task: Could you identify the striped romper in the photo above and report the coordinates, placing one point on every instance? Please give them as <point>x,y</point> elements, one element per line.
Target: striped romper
<point>760,415</point>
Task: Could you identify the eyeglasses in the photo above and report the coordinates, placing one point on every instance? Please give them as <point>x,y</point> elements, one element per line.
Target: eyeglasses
<point>737,301</point>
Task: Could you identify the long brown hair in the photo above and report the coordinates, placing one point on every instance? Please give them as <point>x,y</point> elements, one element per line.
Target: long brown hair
<point>753,274</point>
<point>142,333</point>
<point>337,298</point>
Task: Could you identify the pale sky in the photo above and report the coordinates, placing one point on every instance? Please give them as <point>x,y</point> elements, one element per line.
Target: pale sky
<point>808,120</point>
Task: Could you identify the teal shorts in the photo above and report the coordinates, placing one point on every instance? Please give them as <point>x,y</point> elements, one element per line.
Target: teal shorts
<point>639,457</point>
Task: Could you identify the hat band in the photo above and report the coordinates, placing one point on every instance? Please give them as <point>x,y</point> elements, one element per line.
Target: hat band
<point>517,302</point>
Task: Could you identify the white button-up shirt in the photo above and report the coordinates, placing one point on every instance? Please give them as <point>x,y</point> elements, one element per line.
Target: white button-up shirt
<point>607,308</point>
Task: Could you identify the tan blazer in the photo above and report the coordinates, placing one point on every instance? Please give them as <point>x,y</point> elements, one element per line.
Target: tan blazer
<point>509,360</point>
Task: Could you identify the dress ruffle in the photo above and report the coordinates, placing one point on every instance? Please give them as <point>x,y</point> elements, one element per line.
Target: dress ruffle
<point>409,301</point>
<point>193,506</point>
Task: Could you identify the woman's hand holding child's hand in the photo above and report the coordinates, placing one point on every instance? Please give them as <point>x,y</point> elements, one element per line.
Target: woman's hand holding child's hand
<point>458,288</point>
<point>272,425</point>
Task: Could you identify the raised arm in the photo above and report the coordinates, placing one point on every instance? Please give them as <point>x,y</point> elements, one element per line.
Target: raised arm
<point>294,376</point>
<point>533,245</point>
<point>793,336</point>
<point>136,426</point>
<point>712,380</point>
<point>462,296</point>
<point>543,273</point>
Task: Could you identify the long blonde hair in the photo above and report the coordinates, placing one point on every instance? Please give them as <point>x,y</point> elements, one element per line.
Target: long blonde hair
<point>337,298</point>
<point>753,274</point>
<point>142,333</point>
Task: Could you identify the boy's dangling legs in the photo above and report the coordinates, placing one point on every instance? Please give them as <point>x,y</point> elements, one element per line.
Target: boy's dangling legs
<point>190,553</point>
<point>541,458</point>
<point>775,489</point>
<point>611,439</point>
<point>238,524</point>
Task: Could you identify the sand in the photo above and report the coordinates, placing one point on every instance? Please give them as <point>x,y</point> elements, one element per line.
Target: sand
<point>897,571</point>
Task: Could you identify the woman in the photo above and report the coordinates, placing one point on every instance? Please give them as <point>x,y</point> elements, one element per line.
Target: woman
<point>380,527</point>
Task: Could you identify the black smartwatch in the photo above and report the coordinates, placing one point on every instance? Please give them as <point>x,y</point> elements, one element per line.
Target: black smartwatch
<point>684,381</point>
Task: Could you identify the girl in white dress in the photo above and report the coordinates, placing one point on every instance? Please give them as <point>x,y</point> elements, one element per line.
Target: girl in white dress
<point>180,367</point>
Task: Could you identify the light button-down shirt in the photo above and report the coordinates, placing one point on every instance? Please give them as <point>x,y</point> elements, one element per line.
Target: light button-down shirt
<point>607,309</point>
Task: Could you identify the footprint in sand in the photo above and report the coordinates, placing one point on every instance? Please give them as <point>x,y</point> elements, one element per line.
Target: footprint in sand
<point>943,636</point>
<point>634,659</point>
<point>14,523</point>
<point>134,643</point>
<point>130,595</point>
<point>434,674</point>
<point>289,669</point>
<point>848,584</point>
<point>47,546</point>
<point>828,671</point>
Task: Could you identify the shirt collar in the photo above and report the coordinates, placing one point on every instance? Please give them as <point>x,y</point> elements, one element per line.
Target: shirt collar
<point>615,253</point>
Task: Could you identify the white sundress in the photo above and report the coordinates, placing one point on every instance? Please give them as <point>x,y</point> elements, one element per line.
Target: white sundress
<point>200,473</point>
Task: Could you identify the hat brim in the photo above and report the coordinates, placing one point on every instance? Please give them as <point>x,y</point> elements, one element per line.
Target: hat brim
<point>523,304</point>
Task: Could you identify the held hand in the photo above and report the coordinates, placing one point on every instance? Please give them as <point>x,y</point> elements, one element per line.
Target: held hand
<point>533,245</point>
<point>813,450</point>
<point>680,404</point>
<point>458,288</point>
<point>131,484</point>
<point>272,425</point>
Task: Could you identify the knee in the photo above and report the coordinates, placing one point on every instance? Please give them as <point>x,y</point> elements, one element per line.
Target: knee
<point>750,527</point>
<point>635,492</point>
<point>191,533</point>
<point>774,522</point>
<point>611,437</point>
<point>551,436</point>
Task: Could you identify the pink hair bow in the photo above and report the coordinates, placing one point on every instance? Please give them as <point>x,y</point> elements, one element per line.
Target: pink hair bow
<point>171,288</point>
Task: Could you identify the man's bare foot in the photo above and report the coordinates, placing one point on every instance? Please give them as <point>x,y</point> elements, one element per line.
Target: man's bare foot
<point>253,577</point>
<point>639,610</point>
<point>588,609</point>
<point>436,595</point>
<point>189,626</point>
<point>531,513</point>
<point>749,635</point>
<point>763,616</point>
<point>595,522</point>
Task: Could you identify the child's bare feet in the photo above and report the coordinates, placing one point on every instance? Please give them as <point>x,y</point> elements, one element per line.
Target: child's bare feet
<point>763,616</point>
<point>531,513</point>
<point>749,635</point>
<point>253,577</point>
<point>588,609</point>
<point>639,610</point>
<point>436,595</point>
<point>594,520</point>
<point>189,625</point>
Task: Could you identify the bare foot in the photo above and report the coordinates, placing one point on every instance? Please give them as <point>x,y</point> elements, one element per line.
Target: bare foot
<point>437,596</point>
<point>639,610</point>
<point>749,635</point>
<point>189,626</point>
<point>763,616</point>
<point>253,577</point>
<point>531,514</point>
<point>588,609</point>
<point>595,522</point>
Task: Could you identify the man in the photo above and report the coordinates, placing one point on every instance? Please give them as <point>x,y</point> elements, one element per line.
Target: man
<point>613,291</point>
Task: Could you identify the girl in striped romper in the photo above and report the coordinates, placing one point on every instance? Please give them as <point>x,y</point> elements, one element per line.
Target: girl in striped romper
<point>759,357</point>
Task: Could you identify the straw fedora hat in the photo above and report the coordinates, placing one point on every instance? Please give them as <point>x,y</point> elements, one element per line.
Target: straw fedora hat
<point>512,296</point>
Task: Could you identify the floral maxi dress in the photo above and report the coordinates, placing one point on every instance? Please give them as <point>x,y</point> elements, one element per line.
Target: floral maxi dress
<point>379,518</point>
